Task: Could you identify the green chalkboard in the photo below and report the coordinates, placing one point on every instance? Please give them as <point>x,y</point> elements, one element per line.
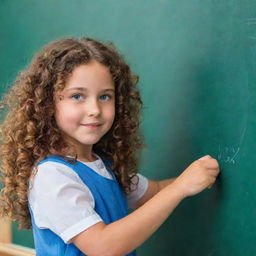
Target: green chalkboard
<point>197,65</point>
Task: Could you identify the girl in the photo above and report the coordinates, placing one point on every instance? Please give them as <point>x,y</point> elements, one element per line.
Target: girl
<point>69,147</point>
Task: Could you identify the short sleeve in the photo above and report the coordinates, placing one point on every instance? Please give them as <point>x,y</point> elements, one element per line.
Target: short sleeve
<point>139,187</point>
<point>60,201</point>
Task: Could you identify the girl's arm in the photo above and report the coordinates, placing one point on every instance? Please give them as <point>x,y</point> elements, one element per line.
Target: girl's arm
<point>126,234</point>
<point>163,183</point>
<point>153,188</point>
<point>122,236</point>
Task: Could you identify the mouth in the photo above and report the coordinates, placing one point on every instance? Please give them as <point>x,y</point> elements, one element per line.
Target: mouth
<point>92,125</point>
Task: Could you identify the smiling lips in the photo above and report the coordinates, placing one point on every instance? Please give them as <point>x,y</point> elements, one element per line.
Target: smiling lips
<point>91,125</point>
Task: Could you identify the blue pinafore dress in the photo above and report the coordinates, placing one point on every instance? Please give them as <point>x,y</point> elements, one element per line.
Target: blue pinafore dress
<point>110,204</point>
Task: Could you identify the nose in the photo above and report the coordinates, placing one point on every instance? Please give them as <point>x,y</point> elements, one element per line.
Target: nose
<point>93,108</point>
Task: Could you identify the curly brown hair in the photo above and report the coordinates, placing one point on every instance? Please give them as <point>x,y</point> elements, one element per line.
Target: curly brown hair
<point>29,132</point>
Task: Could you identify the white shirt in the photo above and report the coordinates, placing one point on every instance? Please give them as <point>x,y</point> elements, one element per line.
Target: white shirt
<point>61,202</point>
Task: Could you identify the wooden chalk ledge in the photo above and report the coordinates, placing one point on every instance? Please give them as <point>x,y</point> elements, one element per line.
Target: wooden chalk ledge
<point>15,250</point>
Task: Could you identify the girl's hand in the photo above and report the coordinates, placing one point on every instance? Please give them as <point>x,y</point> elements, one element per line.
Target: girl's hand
<point>201,174</point>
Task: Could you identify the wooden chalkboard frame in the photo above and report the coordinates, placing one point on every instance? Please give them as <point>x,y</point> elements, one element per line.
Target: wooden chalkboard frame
<point>7,248</point>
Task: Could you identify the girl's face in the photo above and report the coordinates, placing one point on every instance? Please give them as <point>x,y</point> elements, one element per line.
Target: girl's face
<point>86,109</point>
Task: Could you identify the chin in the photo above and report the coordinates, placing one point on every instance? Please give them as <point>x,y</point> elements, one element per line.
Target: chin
<point>89,141</point>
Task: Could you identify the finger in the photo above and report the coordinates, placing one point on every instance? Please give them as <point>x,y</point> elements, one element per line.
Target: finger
<point>211,163</point>
<point>213,172</point>
<point>212,181</point>
<point>205,157</point>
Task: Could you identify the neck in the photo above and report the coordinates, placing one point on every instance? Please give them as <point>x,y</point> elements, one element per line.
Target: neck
<point>87,158</point>
<point>85,153</point>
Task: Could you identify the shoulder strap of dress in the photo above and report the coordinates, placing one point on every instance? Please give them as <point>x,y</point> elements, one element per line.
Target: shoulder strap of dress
<point>54,158</point>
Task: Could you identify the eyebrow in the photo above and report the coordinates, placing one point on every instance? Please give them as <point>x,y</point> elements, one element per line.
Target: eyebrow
<point>85,89</point>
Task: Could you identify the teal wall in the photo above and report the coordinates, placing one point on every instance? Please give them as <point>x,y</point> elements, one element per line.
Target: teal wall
<point>196,62</point>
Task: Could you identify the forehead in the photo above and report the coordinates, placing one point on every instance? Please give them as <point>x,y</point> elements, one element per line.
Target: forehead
<point>90,75</point>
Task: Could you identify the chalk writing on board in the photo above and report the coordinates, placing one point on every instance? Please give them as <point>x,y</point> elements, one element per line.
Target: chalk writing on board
<point>251,21</point>
<point>228,154</point>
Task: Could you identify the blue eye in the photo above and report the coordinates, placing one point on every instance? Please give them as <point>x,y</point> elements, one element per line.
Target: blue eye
<point>77,96</point>
<point>105,97</point>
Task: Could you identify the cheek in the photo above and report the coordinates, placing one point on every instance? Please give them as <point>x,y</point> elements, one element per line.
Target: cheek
<point>66,117</point>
